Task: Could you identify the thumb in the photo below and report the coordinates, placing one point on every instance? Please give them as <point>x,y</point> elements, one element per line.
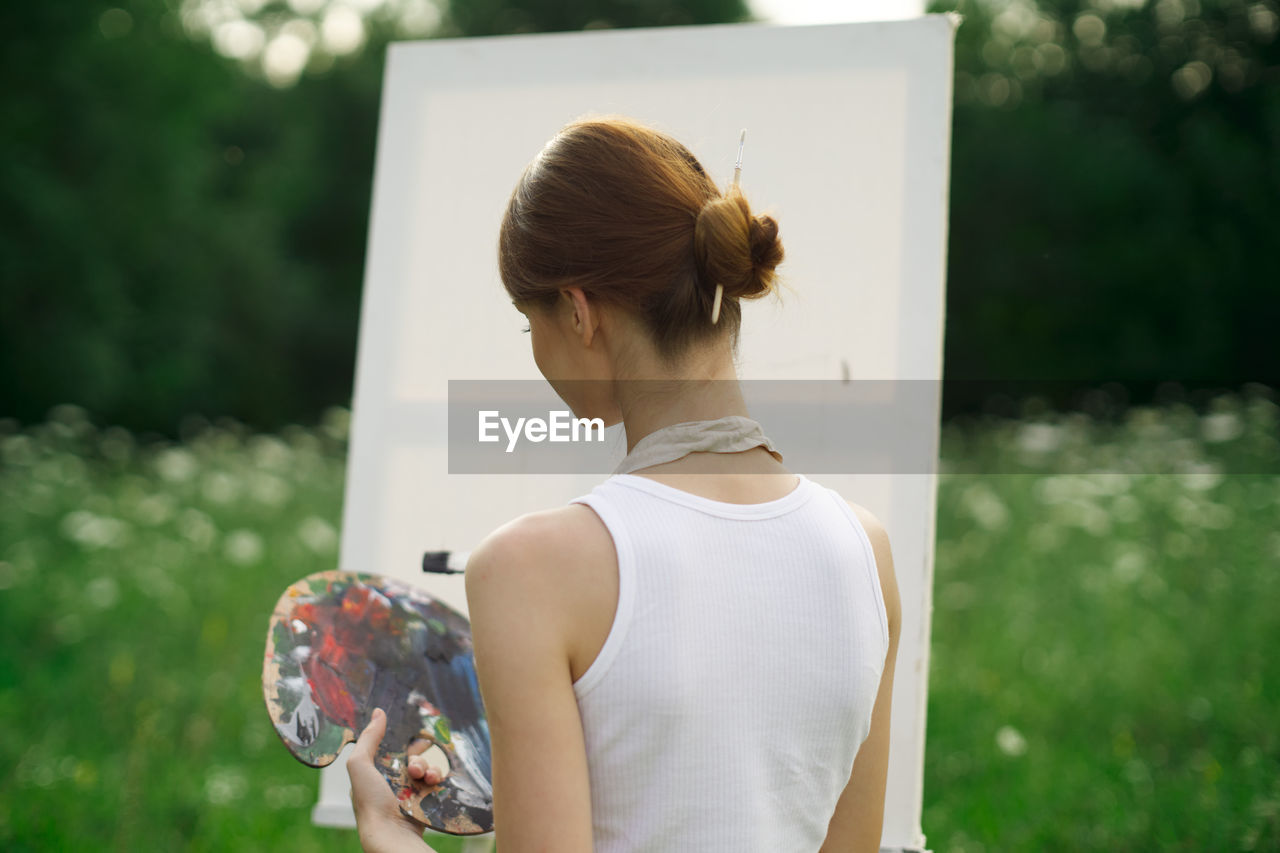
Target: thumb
<point>360,762</point>
<point>367,743</point>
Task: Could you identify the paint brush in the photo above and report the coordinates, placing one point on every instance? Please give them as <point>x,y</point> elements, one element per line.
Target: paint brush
<point>445,562</point>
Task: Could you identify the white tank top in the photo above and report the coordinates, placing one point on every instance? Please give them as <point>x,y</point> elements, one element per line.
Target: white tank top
<point>727,705</point>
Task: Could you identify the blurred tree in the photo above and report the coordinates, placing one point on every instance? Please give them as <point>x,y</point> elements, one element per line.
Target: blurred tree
<point>184,191</point>
<point>1115,191</point>
<point>493,17</point>
<point>178,236</point>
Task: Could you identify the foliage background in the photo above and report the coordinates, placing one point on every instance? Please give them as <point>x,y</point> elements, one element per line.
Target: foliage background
<point>184,193</point>
<point>179,235</point>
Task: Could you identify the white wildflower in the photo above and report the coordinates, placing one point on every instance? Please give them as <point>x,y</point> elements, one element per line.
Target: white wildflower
<point>1218,427</point>
<point>197,528</point>
<point>176,464</point>
<point>225,785</point>
<point>318,535</point>
<point>1039,437</point>
<point>94,531</point>
<point>985,506</point>
<point>219,487</point>
<point>1130,565</point>
<point>270,452</point>
<point>269,489</point>
<point>102,592</point>
<point>155,509</point>
<point>1200,476</point>
<point>1010,741</point>
<point>1127,508</point>
<point>243,547</point>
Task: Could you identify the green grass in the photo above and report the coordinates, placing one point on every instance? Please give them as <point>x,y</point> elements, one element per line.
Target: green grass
<point>1104,671</point>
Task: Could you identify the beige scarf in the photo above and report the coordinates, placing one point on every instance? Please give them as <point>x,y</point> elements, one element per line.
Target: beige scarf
<point>730,434</point>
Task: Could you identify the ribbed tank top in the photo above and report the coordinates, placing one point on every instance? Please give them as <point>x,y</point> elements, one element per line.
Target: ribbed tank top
<point>727,705</point>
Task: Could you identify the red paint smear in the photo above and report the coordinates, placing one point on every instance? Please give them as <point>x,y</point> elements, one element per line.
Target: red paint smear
<point>332,653</point>
<point>331,694</point>
<point>364,608</point>
<point>345,630</point>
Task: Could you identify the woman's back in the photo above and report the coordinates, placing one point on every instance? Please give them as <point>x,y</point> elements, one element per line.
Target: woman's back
<point>703,682</point>
<point>726,705</point>
<point>672,663</point>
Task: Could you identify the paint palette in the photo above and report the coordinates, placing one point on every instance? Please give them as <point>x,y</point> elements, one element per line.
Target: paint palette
<point>340,644</point>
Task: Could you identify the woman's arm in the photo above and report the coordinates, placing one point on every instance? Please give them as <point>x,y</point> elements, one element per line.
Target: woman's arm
<point>859,817</point>
<point>521,629</point>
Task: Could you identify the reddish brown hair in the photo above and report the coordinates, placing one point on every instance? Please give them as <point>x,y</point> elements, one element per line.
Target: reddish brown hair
<point>629,215</point>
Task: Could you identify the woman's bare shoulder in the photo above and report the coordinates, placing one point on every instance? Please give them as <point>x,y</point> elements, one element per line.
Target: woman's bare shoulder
<point>879,538</point>
<point>549,544</point>
<point>560,562</point>
<point>872,524</point>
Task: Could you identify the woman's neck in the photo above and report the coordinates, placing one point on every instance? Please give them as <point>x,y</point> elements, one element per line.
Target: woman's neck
<point>648,405</point>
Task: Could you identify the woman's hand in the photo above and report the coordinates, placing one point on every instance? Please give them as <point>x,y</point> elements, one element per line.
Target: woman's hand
<point>382,826</point>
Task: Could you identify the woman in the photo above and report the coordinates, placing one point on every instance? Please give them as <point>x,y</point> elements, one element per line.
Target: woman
<point>699,654</point>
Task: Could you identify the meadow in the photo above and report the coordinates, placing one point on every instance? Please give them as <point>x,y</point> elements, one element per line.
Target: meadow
<point>1104,672</point>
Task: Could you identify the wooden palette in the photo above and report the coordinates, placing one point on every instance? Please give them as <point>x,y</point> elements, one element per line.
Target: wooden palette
<point>340,644</point>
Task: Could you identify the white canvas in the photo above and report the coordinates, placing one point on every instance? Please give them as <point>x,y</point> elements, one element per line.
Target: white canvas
<point>848,145</point>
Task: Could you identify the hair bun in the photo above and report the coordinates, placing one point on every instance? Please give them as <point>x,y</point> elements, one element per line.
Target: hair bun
<point>735,248</point>
<point>766,248</point>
